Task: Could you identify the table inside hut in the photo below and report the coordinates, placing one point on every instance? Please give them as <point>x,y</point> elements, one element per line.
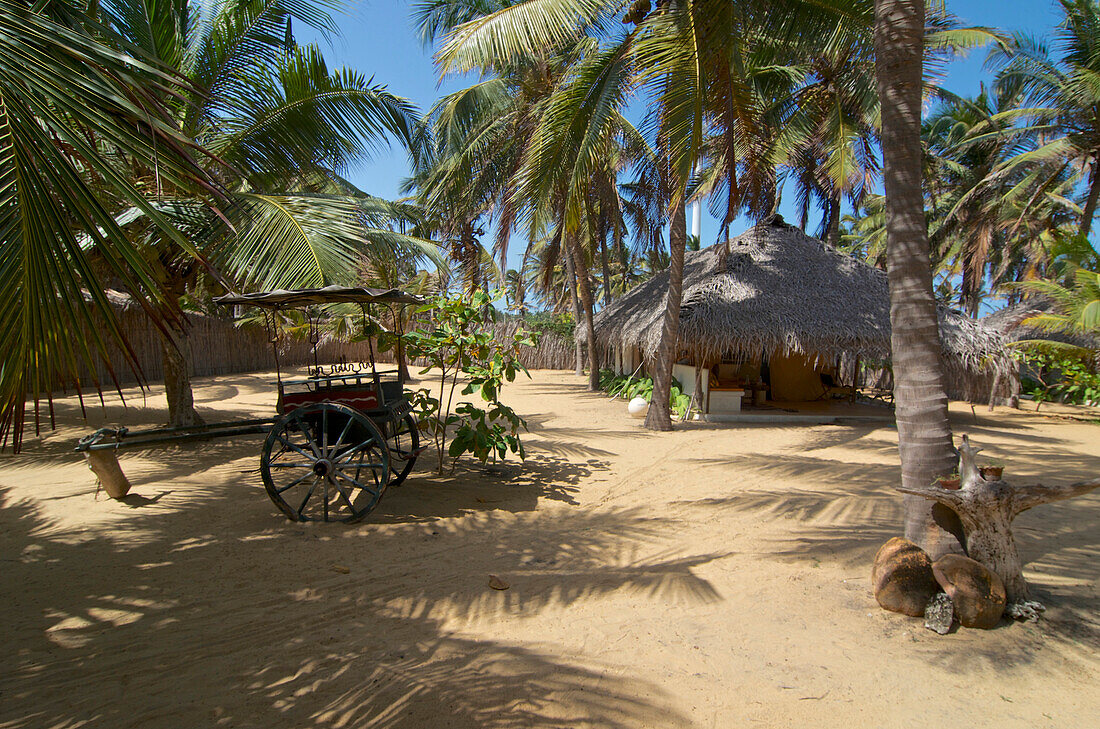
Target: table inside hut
<point>724,398</point>
<point>723,388</point>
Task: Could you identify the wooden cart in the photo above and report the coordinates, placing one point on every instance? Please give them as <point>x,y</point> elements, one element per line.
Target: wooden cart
<point>341,435</point>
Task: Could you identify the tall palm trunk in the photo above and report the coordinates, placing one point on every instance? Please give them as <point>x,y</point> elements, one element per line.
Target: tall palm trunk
<point>466,253</point>
<point>177,363</point>
<point>521,288</point>
<point>606,270</point>
<point>924,432</point>
<point>770,193</point>
<point>571,281</point>
<point>970,291</point>
<point>584,289</point>
<point>832,230</point>
<point>399,347</point>
<point>1094,195</point>
<point>659,416</point>
<point>621,252</point>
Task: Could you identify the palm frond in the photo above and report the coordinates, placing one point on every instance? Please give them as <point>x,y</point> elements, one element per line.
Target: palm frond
<point>301,115</point>
<point>65,98</point>
<point>300,241</point>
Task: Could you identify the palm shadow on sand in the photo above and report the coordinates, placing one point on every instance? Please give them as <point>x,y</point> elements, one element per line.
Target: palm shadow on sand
<point>220,613</point>
<point>843,511</point>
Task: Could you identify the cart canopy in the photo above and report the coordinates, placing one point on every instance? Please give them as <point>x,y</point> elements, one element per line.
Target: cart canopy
<point>290,299</point>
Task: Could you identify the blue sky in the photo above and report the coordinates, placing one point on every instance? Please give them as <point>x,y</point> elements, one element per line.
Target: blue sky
<point>378,39</point>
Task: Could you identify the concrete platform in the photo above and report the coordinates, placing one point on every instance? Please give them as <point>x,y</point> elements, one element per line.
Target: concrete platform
<point>807,413</point>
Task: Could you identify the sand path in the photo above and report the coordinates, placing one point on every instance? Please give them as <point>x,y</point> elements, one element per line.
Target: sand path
<point>715,576</point>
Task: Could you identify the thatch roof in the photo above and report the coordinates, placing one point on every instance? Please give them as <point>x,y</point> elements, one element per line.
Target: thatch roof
<point>781,291</point>
<point>1011,323</point>
<point>298,298</point>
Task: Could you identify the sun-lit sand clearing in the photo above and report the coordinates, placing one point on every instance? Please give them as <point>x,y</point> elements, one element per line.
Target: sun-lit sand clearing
<point>716,576</point>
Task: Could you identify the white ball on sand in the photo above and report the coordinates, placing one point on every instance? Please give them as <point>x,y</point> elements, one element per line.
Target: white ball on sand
<point>637,407</point>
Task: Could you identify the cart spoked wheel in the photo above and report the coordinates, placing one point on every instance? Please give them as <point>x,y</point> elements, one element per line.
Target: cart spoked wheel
<point>325,462</point>
<point>404,444</point>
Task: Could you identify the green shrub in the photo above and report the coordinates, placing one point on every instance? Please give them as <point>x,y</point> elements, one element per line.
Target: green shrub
<point>1080,382</point>
<point>457,345</point>
<point>1060,375</point>
<point>548,322</point>
<point>628,387</point>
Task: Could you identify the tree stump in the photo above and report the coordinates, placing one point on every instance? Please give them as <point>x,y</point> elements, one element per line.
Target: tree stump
<point>986,510</point>
<point>109,475</point>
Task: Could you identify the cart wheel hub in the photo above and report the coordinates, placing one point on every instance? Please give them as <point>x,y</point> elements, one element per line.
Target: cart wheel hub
<point>322,467</point>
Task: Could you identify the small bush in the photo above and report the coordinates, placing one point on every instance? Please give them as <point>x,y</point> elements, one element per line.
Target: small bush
<point>628,388</point>
<point>456,344</point>
<point>1060,376</point>
<point>548,322</point>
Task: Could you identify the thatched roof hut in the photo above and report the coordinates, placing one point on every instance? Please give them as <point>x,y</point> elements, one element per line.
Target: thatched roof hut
<point>782,292</point>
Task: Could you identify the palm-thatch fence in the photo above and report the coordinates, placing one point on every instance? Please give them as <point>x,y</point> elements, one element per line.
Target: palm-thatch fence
<point>219,347</point>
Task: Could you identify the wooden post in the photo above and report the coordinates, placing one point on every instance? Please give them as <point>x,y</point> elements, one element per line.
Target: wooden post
<point>855,381</point>
<point>109,475</point>
<point>699,389</point>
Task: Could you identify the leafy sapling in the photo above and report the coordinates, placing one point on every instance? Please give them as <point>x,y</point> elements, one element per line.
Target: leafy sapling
<point>459,344</point>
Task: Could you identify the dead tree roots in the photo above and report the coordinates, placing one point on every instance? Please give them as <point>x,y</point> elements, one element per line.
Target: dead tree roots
<point>986,510</point>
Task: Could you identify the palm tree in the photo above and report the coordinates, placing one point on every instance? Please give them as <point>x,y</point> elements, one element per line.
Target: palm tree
<point>990,201</point>
<point>864,234</point>
<point>644,206</point>
<point>1063,92</point>
<point>989,195</point>
<point>287,127</point>
<point>924,432</point>
<point>515,290</point>
<point>1076,305</point>
<point>465,141</point>
<point>481,132</point>
<point>77,101</point>
<point>966,144</point>
<point>545,276</point>
<point>679,55</point>
<point>390,270</point>
<point>833,152</point>
<point>504,139</point>
<point>829,141</point>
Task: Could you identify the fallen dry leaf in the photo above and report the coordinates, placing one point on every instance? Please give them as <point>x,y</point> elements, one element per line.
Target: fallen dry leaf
<point>497,584</point>
<point>340,568</point>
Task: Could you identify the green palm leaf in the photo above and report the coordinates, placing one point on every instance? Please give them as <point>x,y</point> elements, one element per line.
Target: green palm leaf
<point>65,98</point>
<point>300,241</point>
<point>300,115</point>
<point>527,28</point>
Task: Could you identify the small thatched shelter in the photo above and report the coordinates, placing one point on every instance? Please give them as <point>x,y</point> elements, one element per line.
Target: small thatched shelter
<point>782,295</point>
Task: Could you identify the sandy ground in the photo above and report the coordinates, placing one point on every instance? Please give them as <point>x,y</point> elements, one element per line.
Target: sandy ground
<point>715,576</point>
